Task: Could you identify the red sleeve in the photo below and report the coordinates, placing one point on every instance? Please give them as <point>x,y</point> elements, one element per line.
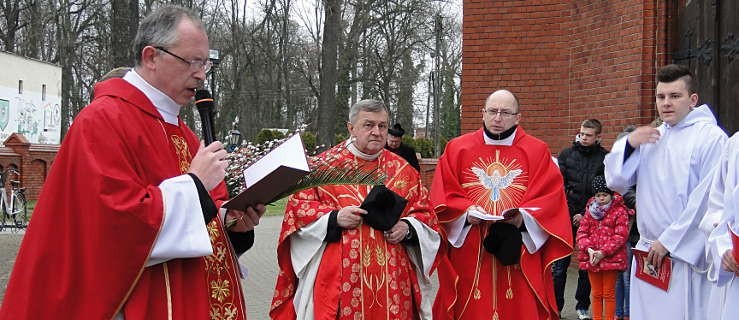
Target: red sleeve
<point>102,211</point>
<point>546,191</point>
<point>584,241</point>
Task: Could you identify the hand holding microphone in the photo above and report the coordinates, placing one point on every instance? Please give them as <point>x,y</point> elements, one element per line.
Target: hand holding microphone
<point>209,163</point>
<point>205,105</point>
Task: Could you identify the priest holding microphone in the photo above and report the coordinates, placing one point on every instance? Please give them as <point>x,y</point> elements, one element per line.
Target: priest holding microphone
<point>128,224</point>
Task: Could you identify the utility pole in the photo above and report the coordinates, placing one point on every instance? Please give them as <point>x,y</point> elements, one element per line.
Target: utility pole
<point>437,86</point>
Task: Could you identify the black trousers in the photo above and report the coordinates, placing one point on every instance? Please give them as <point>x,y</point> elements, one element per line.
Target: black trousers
<point>582,293</point>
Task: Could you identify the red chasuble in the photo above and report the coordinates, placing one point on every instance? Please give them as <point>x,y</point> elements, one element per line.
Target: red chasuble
<point>361,276</point>
<point>98,216</point>
<point>485,288</point>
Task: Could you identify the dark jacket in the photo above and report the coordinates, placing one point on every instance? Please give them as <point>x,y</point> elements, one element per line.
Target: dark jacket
<point>630,202</point>
<point>579,165</point>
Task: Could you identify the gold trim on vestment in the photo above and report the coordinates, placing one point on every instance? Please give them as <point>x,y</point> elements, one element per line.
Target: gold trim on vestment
<point>168,286</point>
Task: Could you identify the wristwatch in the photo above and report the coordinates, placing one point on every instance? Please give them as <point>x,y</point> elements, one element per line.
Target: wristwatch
<point>408,234</point>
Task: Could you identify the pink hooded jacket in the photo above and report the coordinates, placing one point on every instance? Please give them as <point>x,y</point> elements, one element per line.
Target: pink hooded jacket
<point>608,235</point>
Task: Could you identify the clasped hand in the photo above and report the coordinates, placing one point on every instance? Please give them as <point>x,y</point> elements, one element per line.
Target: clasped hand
<point>512,216</point>
<point>595,256</point>
<point>350,217</point>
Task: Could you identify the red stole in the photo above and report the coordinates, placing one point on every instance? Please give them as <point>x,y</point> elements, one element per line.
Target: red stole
<point>362,275</point>
<point>483,286</point>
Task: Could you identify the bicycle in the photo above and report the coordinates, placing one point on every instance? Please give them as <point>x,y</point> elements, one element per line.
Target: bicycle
<point>14,210</point>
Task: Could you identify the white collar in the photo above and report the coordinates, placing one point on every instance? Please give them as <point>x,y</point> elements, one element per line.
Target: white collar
<point>359,154</point>
<point>504,142</point>
<point>168,108</point>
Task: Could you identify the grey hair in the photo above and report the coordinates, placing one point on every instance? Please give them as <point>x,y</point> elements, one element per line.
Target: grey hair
<point>159,28</point>
<point>367,105</point>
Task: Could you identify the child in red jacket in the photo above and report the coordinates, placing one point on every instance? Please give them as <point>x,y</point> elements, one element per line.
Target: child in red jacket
<point>601,241</point>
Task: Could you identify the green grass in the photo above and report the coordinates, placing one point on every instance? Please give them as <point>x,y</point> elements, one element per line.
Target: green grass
<point>276,208</point>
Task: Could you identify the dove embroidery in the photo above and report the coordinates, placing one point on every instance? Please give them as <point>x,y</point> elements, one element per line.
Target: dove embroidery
<point>495,182</point>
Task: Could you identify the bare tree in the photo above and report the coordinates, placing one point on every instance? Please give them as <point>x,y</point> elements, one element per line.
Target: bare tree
<point>124,20</point>
<point>73,21</point>
<point>329,72</point>
<point>279,66</point>
<point>11,23</point>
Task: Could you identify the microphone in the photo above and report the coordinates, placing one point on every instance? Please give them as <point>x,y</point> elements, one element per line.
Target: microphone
<point>204,103</point>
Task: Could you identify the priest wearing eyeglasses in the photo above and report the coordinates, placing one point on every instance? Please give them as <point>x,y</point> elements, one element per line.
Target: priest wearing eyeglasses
<point>127,225</point>
<point>501,200</point>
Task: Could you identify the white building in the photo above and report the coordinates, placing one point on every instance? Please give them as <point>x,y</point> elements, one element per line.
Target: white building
<point>30,99</point>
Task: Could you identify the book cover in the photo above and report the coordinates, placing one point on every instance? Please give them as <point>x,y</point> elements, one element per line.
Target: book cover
<point>271,175</point>
<point>659,278</point>
<point>734,242</point>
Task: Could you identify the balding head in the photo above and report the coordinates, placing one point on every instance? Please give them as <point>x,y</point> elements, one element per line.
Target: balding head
<point>503,97</point>
<point>501,111</point>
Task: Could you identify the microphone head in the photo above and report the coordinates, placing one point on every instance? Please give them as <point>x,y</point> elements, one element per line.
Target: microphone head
<point>203,99</point>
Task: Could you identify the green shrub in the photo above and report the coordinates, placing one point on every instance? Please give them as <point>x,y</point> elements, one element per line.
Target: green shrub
<point>309,140</point>
<point>266,135</point>
<point>424,146</point>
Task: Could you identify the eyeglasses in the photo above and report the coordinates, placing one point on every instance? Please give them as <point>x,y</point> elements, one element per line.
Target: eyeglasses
<point>505,114</point>
<point>195,65</point>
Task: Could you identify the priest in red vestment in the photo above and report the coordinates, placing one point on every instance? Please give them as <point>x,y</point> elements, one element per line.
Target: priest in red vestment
<point>335,261</point>
<point>500,198</point>
<point>127,225</point>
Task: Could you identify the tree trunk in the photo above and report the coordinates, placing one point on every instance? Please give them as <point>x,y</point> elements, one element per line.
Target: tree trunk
<point>124,20</point>
<point>329,73</point>
<point>33,45</point>
<point>66,52</point>
<point>11,11</point>
<point>408,77</point>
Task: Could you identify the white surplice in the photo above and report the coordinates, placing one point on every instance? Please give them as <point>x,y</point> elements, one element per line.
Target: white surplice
<point>726,202</point>
<point>666,174</point>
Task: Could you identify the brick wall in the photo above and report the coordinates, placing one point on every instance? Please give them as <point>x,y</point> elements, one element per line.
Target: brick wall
<point>427,171</point>
<point>565,60</point>
<point>32,161</point>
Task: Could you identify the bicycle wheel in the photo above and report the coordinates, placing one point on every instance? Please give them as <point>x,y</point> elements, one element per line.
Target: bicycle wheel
<point>20,212</point>
<point>3,216</point>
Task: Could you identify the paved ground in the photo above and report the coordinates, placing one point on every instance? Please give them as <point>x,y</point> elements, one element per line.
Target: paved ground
<point>261,261</point>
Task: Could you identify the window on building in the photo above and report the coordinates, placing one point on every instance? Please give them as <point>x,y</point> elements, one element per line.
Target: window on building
<point>43,92</point>
<point>20,86</point>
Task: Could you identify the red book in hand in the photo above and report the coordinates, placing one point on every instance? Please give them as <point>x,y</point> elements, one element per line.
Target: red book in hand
<point>734,242</point>
<point>659,278</point>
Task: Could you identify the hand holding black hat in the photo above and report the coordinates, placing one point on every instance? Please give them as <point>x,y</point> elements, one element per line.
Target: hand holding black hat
<point>350,217</point>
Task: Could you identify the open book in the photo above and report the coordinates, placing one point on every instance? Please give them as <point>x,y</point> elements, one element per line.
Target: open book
<point>659,278</point>
<point>271,175</point>
<point>506,214</point>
